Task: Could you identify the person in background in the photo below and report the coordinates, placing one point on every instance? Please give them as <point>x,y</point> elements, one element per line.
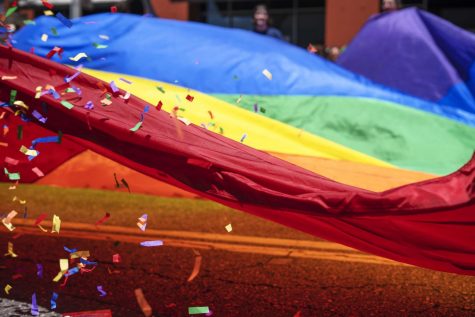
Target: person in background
<point>390,5</point>
<point>262,23</point>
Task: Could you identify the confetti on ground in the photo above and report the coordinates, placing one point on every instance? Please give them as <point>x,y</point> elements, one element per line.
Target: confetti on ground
<point>11,176</point>
<point>198,310</point>
<point>243,137</point>
<point>56,224</point>
<point>54,297</point>
<point>161,89</point>
<point>34,306</point>
<point>39,270</point>
<point>142,117</point>
<point>9,77</point>
<point>196,266</point>
<point>48,13</point>
<point>113,87</point>
<point>54,31</point>
<point>39,116</point>
<point>154,243</point>
<point>267,73</point>
<point>101,290</point>
<point>64,20</point>
<point>99,46</point>
<point>11,161</point>
<point>189,98</point>
<point>8,287</point>
<point>44,37</point>
<point>142,224</point>
<point>229,228</point>
<point>144,305</point>
<point>10,251</point>
<point>239,99</point>
<point>78,56</point>
<point>124,182</point>
<point>27,151</point>
<point>103,219</point>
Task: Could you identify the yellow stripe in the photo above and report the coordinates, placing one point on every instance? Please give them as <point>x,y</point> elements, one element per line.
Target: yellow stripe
<point>262,133</point>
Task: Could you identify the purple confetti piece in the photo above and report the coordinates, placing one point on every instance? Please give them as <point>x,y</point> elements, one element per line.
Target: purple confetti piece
<point>89,105</point>
<point>39,268</point>
<point>113,87</point>
<point>256,107</point>
<point>64,20</point>
<point>53,93</point>
<point>99,288</point>
<point>38,116</point>
<point>34,306</point>
<point>154,243</point>
<point>125,81</point>
<point>70,79</point>
<point>243,137</point>
<point>77,90</point>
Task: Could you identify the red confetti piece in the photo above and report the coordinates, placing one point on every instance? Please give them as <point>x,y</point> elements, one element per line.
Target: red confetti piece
<point>55,50</point>
<point>190,98</point>
<point>159,105</point>
<point>40,218</point>
<point>114,9</point>
<point>103,219</point>
<point>47,4</point>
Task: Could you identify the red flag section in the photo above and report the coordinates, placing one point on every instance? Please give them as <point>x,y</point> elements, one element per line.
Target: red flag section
<point>429,224</point>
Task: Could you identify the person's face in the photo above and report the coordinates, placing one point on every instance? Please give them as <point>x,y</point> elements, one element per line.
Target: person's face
<point>389,5</point>
<point>261,18</point>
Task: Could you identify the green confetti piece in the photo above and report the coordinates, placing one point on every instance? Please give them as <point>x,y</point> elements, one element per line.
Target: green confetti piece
<point>99,46</point>
<point>198,310</point>
<point>136,127</point>
<point>29,22</point>
<point>70,90</point>
<point>12,176</point>
<point>221,131</point>
<point>263,110</point>
<point>10,11</point>
<point>161,89</point>
<point>54,31</point>
<point>67,104</point>
<point>12,96</point>
<point>108,96</point>
<point>19,133</point>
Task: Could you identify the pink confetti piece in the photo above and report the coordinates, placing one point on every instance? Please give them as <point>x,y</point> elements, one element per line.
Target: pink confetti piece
<point>37,171</point>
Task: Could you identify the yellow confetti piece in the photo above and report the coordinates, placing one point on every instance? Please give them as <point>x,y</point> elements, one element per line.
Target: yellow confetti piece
<point>10,251</point>
<point>8,288</point>
<point>267,73</point>
<point>80,254</point>
<point>19,200</point>
<point>63,268</point>
<point>78,56</point>
<point>229,228</point>
<point>106,102</point>
<point>27,151</point>
<point>44,37</point>
<point>56,224</point>
<point>38,92</point>
<point>48,12</point>
<point>20,103</point>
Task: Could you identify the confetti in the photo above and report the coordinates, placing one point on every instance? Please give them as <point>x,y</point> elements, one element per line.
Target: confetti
<point>78,57</point>
<point>56,224</point>
<point>11,161</point>
<point>101,290</point>
<point>55,50</point>
<point>113,87</point>
<point>40,218</point>
<point>113,9</point>
<point>243,137</point>
<point>39,116</point>
<point>29,152</point>
<point>7,221</point>
<point>64,20</point>
<point>116,258</point>
<point>47,4</point>
<point>54,31</point>
<point>125,81</point>
<point>103,219</point>
<point>154,243</point>
<point>89,105</point>
<point>71,78</point>
<point>125,184</point>
<point>67,104</point>
<point>63,268</point>
<point>198,310</point>
<point>10,251</point>
<point>229,228</point>
<point>34,306</point>
<point>22,202</point>
<point>44,37</point>
<point>99,46</point>
<point>126,96</point>
<point>106,102</point>
<point>161,89</point>
<point>142,117</point>
<point>37,171</point>
<point>48,13</point>
<point>196,266</point>
<point>189,98</point>
<point>159,105</point>
<point>142,224</point>
<point>39,270</point>
<point>12,176</point>
<point>8,288</point>
<point>10,11</point>
<point>54,297</point>
<point>9,77</point>
<point>104,37</point>
<point>29,22</point>
<point>144,305</point>
<point>267,73</point>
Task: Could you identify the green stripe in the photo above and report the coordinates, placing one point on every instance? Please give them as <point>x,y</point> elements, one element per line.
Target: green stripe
<point>400,135</point>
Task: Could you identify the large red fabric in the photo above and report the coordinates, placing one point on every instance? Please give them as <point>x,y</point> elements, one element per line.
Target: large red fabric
<point>429,224</point>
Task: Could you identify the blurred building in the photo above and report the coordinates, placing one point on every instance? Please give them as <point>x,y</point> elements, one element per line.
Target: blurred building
<point>328,22</point>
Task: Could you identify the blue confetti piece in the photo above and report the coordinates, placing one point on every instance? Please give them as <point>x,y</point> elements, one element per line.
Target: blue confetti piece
<point>154,243</point>
<point>53,300</point>
<point>64,20</point>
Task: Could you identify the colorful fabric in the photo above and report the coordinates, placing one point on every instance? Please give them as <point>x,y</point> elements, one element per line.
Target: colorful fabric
<point>428,224</point>
<point>304,92</point>
<point>419,54</point>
